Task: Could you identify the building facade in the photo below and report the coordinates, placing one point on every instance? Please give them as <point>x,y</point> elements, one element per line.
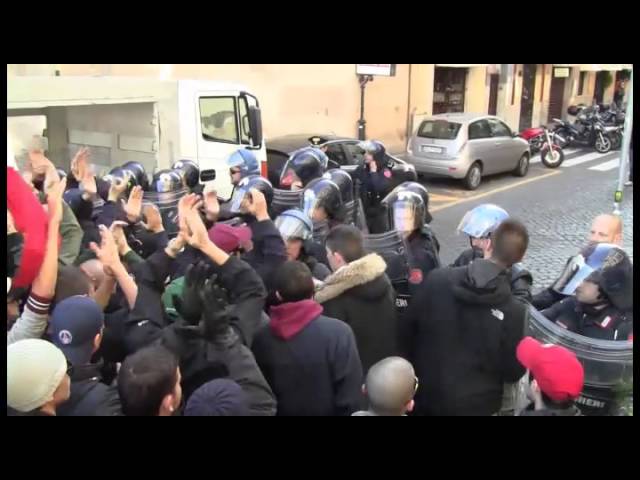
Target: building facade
<point>325,98</point>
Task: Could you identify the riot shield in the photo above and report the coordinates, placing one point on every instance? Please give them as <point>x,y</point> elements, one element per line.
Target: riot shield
<point>320,231</point>
<point>285,200</point>
<point>167,204</point>
<point>608,365</point>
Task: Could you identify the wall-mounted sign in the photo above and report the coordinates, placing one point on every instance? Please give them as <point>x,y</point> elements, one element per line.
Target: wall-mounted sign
<point>561,72</point>
<point>384,69</point>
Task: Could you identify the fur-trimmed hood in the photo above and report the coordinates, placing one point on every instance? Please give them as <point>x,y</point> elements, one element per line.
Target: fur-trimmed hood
<point>360,272</point>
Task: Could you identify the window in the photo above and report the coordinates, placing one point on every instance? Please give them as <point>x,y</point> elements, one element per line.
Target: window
<point>479,129</point>
<point>218,118</point>
<point>357,154</point>
<point>245,131</point>
<point>439,129</point>
<point>499,129</point>
<point>583,76</point>
<point>335,153</point>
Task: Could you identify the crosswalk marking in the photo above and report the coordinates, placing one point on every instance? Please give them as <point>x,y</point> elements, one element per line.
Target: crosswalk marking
<point>610,165</point>
<point>581,159</point>
<point>567,152</point>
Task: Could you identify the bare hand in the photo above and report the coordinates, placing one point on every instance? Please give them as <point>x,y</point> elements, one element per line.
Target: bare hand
<point>54,201</point>
<point>39,163</point>
<point>373,167</point>
<point>119,237</point>
<point>107,252</point>
<point>184,206</point>
<point>257,205</point>
<point>197,235</point>
<point>80,164</point>
<point>133,207</point>
<point>176,244</point>
<point>211,204</point>
<point>153,218</point>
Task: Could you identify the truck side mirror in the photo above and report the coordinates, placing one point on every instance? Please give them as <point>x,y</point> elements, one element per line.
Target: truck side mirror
<point>255,126</point>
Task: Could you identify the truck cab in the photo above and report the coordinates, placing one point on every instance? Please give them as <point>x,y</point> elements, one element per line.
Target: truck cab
<point>155,122</point>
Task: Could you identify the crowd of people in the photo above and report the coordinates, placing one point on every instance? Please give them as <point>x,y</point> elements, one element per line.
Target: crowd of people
<point>120,305</point>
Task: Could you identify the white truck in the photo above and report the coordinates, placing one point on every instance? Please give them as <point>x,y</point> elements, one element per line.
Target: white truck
<point>154,122</point>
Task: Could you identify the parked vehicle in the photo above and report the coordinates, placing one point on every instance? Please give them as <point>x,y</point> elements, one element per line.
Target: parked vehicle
<point>467,146</point>
<point>588,130</point>
<point>535,137</point>
<point>343,153</point>
<point>551,154</point>
<point>154,122</point>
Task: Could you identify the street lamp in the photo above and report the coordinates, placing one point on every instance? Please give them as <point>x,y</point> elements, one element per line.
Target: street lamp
<point>364,79</point>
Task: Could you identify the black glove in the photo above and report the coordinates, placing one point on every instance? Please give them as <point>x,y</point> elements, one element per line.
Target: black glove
<point>217,313</point>
<point>189,306</point>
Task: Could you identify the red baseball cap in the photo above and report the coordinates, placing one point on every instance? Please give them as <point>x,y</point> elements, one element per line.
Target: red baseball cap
<point>557,370</point>
<point>229,238</point>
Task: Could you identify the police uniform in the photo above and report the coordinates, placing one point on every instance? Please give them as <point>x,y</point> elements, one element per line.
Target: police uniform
<point>373,188</point>
<point>423,256</point>
<point>609,323</point>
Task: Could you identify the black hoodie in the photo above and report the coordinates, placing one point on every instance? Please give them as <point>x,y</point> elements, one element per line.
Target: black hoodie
<point>465,327</point>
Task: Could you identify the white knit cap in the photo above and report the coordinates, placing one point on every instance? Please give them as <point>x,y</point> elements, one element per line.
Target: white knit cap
<point>35,369</point>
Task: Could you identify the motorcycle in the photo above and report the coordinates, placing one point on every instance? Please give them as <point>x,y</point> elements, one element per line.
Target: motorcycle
<point>535,137</point>
<point>587,131</point>
<point>551,154</point>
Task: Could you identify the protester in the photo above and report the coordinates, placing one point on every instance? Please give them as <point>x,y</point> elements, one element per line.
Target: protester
<point>37,379</point>
<point>310,360</point>
<point>149,383</point>
<point>77,324</point>
<point>359,293</point>
<point>466,325</point>
<point>390,386</point>
<point>557,379</point>
<point>218,398</point>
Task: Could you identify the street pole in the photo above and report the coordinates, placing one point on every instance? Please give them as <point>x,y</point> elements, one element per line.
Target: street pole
<point>626,146</point>
<point>361,122</point>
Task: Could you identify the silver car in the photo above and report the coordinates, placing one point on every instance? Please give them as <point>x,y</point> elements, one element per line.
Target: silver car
<point>467,146</point>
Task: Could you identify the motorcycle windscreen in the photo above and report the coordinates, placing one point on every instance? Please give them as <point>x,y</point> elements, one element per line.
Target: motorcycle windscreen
<point>290,227</point>
<point>404,216</point>
<point>575,271</point>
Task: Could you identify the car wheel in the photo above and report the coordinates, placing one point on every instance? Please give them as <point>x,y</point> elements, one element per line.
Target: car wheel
<point>474,177</point>
<point>523,166</point>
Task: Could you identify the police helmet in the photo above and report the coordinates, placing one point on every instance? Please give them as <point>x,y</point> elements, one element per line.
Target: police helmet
<point>139,174</point>
<point>376,149</point>
<point>165,181</point>
<point>322,193</point>
<point>294,224</point>
<point>243,189</point>
<point>421,190</point>
<point>244,160</point>
<point>304,165</point>
<point>405,210</point>
<point>482,221</point>
<point>189,171</point>
<point>344,182</point>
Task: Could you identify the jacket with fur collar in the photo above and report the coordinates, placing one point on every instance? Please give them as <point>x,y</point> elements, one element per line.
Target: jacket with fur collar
<point>360,294</point>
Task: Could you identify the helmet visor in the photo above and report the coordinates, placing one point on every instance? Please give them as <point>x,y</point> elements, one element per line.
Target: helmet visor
<point>240,196</point>
<point>291,227</point>
<point>404,216</point>
<point>575,272</point>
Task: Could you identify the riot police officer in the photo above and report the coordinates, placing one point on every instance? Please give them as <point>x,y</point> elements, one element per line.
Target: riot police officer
<point>242,193</point>
<point>322,202</point>
<point>375,177</point>
<point>408,213</point>
<point>601,280</point>
<point>242,163</point>
<point>296,229</point>
<point>479,223</point>
<point>303,166</point>
<point>190,173</point>
<point>139,174</point>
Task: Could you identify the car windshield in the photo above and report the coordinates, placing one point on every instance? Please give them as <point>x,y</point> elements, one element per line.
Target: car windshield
<point>440,129</point>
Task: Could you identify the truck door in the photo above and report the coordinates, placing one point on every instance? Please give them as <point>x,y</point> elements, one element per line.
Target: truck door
<point>219,135</point>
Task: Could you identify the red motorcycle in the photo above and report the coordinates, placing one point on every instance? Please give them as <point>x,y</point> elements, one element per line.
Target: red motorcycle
<point>535,137</point>
<point>543,140</point>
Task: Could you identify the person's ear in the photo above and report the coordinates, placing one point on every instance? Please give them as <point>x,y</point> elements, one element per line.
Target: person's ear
<point>340,258</point>
<point>410,405</point>
<point>167,404</point>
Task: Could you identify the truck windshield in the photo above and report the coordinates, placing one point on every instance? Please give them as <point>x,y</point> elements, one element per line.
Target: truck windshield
<point>218,118</point>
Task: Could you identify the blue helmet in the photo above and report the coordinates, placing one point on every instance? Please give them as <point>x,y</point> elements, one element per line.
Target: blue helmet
<point>246,161</point>
<point>482,220</point>
<point>294,224</point>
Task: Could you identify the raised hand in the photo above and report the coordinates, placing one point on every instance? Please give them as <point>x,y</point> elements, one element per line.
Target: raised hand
<point>133,207</point>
